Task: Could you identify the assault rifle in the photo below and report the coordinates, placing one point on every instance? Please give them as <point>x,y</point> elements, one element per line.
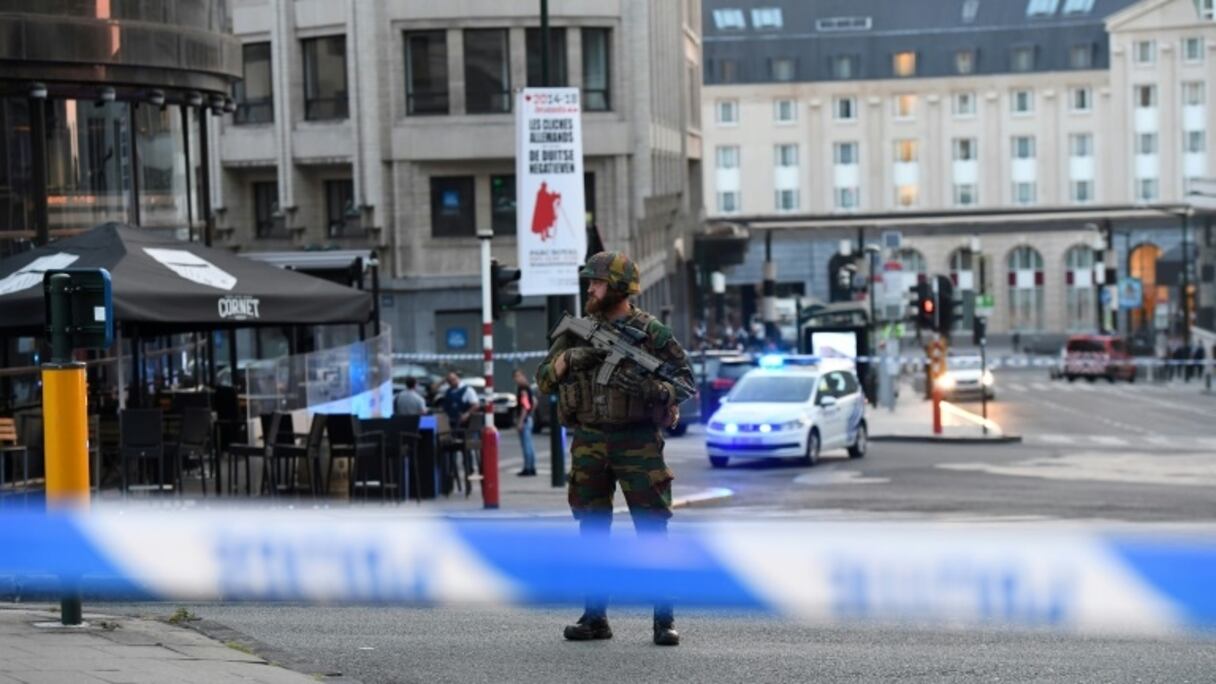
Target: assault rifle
<point>621,342</point>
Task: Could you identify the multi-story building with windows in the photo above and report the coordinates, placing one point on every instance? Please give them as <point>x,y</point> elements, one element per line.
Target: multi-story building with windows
<point>388,124</point>
<point>1040,132</point>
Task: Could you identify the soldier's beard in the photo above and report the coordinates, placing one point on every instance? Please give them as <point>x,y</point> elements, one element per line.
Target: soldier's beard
<point>597,305</point>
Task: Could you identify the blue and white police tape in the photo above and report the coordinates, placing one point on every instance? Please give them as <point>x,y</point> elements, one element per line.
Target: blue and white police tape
<point>930,574</point>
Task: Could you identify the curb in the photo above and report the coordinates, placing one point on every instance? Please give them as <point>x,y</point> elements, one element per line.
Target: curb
<point>942,439</point>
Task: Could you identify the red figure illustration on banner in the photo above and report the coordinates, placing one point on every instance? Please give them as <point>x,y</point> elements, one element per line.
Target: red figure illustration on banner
<point>544,214</point>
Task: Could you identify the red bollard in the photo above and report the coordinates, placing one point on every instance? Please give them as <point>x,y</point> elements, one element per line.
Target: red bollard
<point>937,412</point>
<point>489,466</point>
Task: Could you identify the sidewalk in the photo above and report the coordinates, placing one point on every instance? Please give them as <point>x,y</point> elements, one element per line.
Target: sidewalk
<point>912,421</point>
<point>122,649</point>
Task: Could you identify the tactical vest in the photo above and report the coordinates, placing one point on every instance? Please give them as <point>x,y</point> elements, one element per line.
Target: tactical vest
<point>582,401</point>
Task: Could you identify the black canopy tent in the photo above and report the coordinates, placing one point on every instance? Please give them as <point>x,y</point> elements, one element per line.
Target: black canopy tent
<point>164,286</point>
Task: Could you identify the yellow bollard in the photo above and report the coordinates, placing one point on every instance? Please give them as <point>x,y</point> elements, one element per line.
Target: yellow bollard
<point>65,436</point>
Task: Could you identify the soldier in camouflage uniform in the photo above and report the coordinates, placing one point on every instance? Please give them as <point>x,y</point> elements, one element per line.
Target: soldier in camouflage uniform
<point>618,431</point>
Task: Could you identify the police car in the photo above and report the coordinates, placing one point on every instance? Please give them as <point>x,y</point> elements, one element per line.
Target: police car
<point>790,408</point>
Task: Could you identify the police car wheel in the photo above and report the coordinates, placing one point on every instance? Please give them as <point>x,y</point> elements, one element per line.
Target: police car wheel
<point>718,461</point>
<point>812,448</point>
<point>860,443</point>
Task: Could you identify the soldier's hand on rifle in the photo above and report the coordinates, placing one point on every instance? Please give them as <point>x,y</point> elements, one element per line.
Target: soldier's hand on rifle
<point>648,388</point>
<point>585,358</point>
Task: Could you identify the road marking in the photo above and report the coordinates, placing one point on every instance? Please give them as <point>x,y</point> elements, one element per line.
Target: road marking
<point>1195,470</point>
<point>1209,442</point>
<point>831,477</point>
<point>1108,440</point>
<point>1015,387</point>
<point>1040,386</point>
<point>1055,439</point>
<point>1160,440</point>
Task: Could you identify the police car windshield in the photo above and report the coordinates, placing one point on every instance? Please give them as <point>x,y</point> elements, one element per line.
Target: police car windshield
<point>773,388</point>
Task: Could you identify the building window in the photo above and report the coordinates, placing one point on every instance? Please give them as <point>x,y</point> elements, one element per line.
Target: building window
<point>964,149</point>
<point>845,67</point>
<point>964,104</point>
<point>597,71</point>
<point>905,195</point>
<point>786,200</point>
<point>844,108</point>
<point>1146,143</point>
<point>426,72</point>
<point>728,202</point>
<point>557,58</point>
<point>1023,147</point>
<point>1022,102</point>
<point>1081,145</point>
<point>903,64</point>
<point>1145,51</point>
<point>844,153</point>
<point>964,62</point>
<point>1194,142</point>
<point>1146,189</point>
<point>727,112</point>
<point>905,151</point>
<point>1082,191</point>
<point>964,194</point>
<point>487,71</point>
<point>785,111</point>
<point>266,215</point>
<point>1037,8</point>
<point>502,204</point>
<point>340,212</point>
<point>766,17</point>
<point>1079,279</point>
<point>728,70</point>
<point>254,94</point>
<point>1192,49</point>
<point>833,24</point>
<point>727,156</point>
<point>1079,99</point>
<point>325,78</point>
<point>1022,58</point>
<point>847,198</point>
<point>781,69</point>
<point>1146,96</point>
<point>729,19</point>
<point>1081,56</point>
<point>905,106</point>
<point>1025,266</point>
<point>1207,9</point>
<point>786,155</point>
<point>1192,93</point>
<point>452,212</point>
<point>1078,6</point>
<point>1023,193</point>
<point>970,9</point>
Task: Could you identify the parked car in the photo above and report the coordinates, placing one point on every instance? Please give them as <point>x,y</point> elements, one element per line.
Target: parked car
<point>1098,356</point>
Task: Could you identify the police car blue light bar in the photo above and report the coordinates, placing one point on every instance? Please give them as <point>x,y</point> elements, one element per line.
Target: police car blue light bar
<point>928,574</point>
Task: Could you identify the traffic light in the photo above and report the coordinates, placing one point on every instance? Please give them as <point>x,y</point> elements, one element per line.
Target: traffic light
<point>947,308</point>
<point>504,288</point>
<point>979,330</point>
<point>926,307</point>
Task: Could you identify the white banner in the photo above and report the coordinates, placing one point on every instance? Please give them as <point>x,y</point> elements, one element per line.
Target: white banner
<point>550,215</point>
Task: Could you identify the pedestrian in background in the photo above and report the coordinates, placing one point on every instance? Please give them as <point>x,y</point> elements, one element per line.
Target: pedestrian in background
<point>458,402</point>
<point>617,428</point>
<point>525,405</point>
<point>409,402</point>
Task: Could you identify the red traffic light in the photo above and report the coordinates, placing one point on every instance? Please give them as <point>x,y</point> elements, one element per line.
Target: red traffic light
<point>928,305</point>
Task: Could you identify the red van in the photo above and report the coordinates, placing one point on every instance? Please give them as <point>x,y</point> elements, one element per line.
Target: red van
<point>1098,356</point>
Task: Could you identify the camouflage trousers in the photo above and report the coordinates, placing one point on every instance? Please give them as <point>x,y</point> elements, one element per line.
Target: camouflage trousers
<point>631,456</point>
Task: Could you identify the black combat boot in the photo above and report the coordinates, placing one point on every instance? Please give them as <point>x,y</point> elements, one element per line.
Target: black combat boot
<point>665,633</point>
<point>589,627</point>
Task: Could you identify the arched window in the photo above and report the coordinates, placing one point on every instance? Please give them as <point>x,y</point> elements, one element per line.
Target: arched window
<point>1080,293</point>
<point>964,269</point>
<point>1025,289</point>
<point>912,262</point>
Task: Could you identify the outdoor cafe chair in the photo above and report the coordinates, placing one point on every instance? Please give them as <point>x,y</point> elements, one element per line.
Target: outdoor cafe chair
<point>9,446</point>
<point>284,452</point>
<point>193,445</point>
<point>141,439</point>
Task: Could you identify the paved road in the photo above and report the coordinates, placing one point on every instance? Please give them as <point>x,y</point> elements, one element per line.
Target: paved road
<point>1122,454</point>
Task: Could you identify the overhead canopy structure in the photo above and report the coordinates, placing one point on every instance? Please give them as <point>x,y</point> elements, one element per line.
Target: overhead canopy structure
<point>165,285</point>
